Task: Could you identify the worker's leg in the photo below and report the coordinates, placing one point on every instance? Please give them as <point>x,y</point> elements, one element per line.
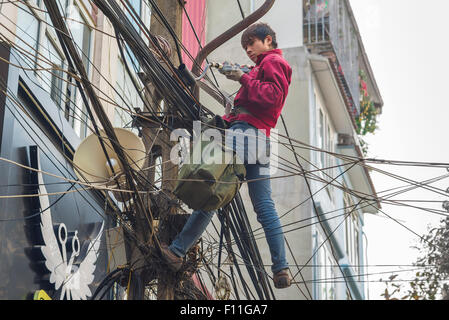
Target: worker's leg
<point>257,146</point>
<point>199,220</point>
<point>191,232</point>
<point>260,194</point>
<point>254,150</point>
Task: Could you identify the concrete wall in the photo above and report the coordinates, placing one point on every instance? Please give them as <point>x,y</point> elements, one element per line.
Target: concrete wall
<point>298,113</point>
<point>300,117</point>
<point>9,17</point>
<point>286,18</point>
<point>288,192</point>
<point>106,59</point>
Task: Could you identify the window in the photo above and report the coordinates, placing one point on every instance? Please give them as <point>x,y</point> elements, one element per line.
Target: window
<point>352,232</point>
<point>27,33</point>
<point>129,55</point>
<point>81,34</point>
<point>127,96</point>
<point>75,110</point>
<point>144,10</point>
<point>325,141</point>
<point>39,46</point>
<point>54,61</point>
<point>137,6</point>
<point>321,139</point>
<point>330,160</point>
<point>158,172</point>
<point>141,8</point>
<point>326,273</point>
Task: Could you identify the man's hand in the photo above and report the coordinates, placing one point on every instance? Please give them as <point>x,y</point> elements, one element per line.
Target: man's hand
<point>234,74</point>
<point>228,109</point>
<point>229,104</point>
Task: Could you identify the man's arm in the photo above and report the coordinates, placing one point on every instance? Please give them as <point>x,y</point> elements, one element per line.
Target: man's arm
<point>269,91</point>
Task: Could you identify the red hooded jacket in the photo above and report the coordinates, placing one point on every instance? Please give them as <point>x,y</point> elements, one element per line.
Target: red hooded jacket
<point>263,92</point>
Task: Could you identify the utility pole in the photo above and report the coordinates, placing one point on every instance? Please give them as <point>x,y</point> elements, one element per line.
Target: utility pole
<point>172,12</point>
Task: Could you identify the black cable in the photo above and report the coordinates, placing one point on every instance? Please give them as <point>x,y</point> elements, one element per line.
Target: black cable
<point>241,10</point>
<point>41,210</point>
<point>128,172</point>
<point>314,204</point>
<point>181,3</point>
<point>35,136</point>
<point>224,218</point>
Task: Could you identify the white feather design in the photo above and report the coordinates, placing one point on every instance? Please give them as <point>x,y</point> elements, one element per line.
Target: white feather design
<point>53,257</point>
<point>84,275</point>
<point>74,283</point>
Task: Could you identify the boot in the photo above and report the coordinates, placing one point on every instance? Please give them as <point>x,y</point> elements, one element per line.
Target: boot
<point>282,279</point>
<point>172,260</point>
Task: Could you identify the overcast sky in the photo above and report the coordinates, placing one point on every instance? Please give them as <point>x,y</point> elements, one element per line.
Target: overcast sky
<point>406,43</point>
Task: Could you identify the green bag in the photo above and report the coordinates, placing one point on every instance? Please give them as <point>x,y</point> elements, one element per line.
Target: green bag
<point>209,186</point>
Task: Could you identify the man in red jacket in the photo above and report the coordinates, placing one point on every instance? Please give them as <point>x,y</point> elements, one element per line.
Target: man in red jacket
<point>265,88</point>
<point>257,107</point>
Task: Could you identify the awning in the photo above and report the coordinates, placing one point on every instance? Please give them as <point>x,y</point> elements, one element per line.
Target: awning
<point>332,96</point>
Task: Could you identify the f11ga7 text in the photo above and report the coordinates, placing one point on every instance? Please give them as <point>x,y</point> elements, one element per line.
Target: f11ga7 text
<point>245,309</point>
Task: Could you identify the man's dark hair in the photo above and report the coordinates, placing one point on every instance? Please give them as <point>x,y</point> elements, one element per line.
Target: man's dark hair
<point>258,30</point>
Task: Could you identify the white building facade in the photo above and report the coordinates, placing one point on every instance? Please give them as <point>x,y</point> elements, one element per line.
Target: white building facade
<point>323,225</point>
<point>322,216</point>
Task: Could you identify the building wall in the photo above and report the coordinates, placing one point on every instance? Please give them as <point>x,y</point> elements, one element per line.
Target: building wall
<point>193,29</point>
<point>301,228</point>
<point>300,115</point>
<point>285,18</point>
<point>9,14</point>
<point>31,119</point>
<point>288,192</point>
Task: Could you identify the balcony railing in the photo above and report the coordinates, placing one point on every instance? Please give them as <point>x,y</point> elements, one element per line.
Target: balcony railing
<point>328,27</point>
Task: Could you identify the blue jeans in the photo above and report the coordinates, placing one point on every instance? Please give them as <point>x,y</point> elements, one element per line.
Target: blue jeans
<point>260,195</point>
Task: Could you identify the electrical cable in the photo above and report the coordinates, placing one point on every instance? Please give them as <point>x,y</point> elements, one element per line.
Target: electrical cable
<point>247,247</point>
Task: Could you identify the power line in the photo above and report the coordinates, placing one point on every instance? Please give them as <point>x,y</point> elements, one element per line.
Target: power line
<point>355,161</point>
